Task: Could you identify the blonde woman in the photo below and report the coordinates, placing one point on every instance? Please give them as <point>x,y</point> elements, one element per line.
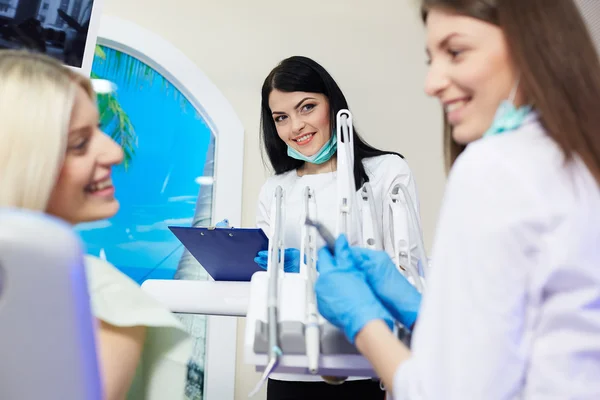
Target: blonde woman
<point>55,159</point>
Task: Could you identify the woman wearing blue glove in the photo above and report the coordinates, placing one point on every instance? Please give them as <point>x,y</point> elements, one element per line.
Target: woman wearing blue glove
<point>512,308</point>
<point>300,101</point>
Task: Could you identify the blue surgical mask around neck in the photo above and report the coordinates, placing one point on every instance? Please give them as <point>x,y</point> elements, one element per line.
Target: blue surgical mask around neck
<point>321,156</point>
<point>508,117</point>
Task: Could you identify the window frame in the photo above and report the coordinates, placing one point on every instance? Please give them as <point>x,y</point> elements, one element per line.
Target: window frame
<point>181,72</point>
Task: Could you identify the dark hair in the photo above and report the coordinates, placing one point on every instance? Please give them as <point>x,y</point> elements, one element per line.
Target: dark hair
<point>560,71</point>
<point>301,74</point>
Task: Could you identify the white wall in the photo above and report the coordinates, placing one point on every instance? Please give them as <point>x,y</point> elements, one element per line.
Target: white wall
<point>374,49</point>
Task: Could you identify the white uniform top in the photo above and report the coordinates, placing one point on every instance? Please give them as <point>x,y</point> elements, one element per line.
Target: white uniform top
<point>512,309</point>
<point>119,301</point>
<point>383,171</point>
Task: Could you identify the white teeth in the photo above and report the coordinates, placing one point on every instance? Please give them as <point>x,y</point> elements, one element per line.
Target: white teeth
<point>455,106</point>
<point>303,138</point>
<point>100,185</point>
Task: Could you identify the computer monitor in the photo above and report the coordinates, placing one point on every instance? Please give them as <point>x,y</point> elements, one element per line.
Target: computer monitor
<point>64,29</point>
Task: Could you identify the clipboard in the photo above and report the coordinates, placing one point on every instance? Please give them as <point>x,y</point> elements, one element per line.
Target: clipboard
<point>227,254</point>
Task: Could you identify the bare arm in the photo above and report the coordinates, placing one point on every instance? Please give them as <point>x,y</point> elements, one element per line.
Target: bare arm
<point>120,350</point>
<point>385,353</point>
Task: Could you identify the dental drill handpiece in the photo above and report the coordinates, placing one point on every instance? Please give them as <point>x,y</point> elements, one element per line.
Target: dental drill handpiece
<point>345,168</point>
<point>401,199</point>
<point>312,330</point>
<point>412,212</point>
<point>324,233</point>
<point>274,267</point>
<point>330,244</point>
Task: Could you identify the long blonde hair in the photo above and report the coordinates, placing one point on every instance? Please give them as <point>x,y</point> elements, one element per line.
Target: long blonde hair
<point>37,94</point>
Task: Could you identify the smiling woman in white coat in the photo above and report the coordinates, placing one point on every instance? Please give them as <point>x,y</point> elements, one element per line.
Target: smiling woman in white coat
<point>512,305</point>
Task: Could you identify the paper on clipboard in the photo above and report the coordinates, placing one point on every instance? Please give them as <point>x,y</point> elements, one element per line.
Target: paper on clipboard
<point>227,254</point>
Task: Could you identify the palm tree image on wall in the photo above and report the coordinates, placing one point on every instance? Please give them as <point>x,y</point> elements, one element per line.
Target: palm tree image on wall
<point>166,179</point>
<point>114,120</point>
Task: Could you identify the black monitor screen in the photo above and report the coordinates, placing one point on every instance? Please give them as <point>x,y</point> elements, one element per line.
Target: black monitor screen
<point>58,28</point>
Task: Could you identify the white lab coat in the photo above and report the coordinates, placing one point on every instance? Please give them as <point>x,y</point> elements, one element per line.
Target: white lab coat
<point>512,309</point>
<point>383,171</point>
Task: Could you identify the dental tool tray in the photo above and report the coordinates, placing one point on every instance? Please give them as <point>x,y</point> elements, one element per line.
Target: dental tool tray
<point>337,357</point>
<point>227,254</point>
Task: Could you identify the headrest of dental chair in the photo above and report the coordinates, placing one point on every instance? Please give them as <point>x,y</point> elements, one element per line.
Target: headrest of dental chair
<point>47,346</point>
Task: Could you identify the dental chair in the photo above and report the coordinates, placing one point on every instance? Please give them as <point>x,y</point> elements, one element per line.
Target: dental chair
<point>47,342</point>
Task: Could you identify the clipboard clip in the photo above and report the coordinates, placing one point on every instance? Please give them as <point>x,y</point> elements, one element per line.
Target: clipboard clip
<point>221,224</point>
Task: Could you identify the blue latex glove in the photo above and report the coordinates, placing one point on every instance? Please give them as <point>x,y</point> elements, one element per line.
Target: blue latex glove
<point>400,298</point>
<point>344,297</point>
<point>223,224</point>
<point>291,263</point>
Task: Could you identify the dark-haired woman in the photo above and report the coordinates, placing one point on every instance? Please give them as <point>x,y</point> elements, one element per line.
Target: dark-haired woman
<point>300,101</point>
